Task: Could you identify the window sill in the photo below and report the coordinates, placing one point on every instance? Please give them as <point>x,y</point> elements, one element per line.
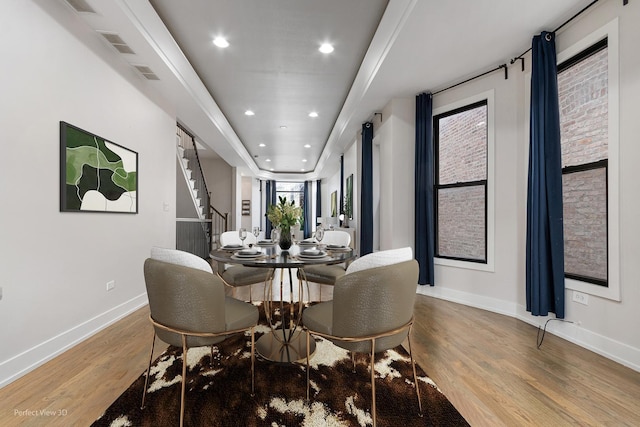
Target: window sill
<point>610,292</point>
<point>465,264</point>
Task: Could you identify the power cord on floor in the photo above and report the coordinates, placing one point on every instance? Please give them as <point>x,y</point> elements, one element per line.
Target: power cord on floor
<point>544,331</point>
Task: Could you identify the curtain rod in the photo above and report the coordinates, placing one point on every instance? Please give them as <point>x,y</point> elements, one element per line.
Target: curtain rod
<point>499,67</point>
<point>520,57</point>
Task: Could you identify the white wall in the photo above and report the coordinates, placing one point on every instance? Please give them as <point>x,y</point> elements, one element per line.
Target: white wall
<point>329,185</point>
<point>351,167</point>
<point>246,221</point>
<point>218,175</point>
<point>54,265</point>
<point>396,138</point>
<point>606,326</point>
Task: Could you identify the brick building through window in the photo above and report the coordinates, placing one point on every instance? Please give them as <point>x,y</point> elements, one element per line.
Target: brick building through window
<point>461,183</point>
<point>583,101</point>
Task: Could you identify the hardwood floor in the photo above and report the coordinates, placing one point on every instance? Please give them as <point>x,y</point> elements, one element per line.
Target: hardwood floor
<point>485,363</point>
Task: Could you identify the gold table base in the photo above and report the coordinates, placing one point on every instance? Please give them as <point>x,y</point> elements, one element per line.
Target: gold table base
<point>284,346</point>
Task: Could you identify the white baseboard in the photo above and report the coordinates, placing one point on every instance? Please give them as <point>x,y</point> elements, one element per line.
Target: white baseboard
<point>478,301</point>
<point>619,352</point>
<point>21,364</point>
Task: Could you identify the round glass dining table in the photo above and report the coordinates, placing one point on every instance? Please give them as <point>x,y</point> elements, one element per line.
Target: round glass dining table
<point>285,343</point>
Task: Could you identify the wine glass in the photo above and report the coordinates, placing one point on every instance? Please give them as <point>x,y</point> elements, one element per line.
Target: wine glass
<point>242,233</point>
<point>256,232</point>
<point>275,235</point>
<point>319,234</point>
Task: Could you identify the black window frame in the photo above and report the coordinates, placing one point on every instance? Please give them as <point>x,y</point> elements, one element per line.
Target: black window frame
<point>476,183</point>
<point>599,164</point>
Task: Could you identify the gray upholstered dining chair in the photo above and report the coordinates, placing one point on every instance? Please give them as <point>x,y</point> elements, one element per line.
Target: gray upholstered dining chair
<point>327,274</point>
<point>234,275</point>
<point>371,311</point>
<point>176,256</point>
<point>189,309</point>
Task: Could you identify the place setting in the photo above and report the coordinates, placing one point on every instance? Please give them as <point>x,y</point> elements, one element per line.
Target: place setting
<point>338,248</point>
<point>247,254</point>
<point>232,247</point>
<point>308,243</point>
<point>311,254</point>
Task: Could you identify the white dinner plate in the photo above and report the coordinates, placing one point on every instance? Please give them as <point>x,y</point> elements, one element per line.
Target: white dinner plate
<point>245,257</point>
<point>232,247</point>
<point>248,253</point>
<point>337,247</point>
<point>312,254</point>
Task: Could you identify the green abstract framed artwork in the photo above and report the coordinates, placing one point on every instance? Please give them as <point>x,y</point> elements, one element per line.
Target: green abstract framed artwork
<point>96,175</point>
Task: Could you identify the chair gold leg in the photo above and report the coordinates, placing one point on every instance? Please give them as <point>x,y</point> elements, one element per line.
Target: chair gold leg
<point>373,380</point>
<point>415,378</point>
<point>146,380</point>
<point>308,355</point>
<point>253,358</point>
<point>184,378</point>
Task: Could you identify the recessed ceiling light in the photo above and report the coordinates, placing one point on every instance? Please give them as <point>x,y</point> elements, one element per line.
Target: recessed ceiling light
<point>307,145</point>
<point>268,160</point>
<point>313,114</point>
<point>283,127</point>
<point>249,113</point>
<point>304,160</point>
<point>221,42</point>
<point>326,48</point>
<point>272,169</point>
<point>262,145</point>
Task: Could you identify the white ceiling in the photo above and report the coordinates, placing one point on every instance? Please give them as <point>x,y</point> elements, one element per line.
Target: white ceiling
<point>383,50</point>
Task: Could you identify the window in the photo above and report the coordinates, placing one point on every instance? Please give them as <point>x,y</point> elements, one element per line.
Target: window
<point>596,168</point>
<point>461,146</point>
<point>584,129</point>
<point>292,191</point>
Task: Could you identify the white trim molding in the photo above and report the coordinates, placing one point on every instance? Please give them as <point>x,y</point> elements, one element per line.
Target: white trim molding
<point>611,349</point>
<point>25,362</point>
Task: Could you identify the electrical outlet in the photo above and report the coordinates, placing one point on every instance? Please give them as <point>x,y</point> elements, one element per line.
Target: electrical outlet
<point>581,298</point>
<point>111,285</point>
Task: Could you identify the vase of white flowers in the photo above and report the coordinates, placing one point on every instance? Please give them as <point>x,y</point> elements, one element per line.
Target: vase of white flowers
<point>284,215</point>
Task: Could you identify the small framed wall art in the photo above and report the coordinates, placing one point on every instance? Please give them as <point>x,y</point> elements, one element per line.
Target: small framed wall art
<point>246,207</point>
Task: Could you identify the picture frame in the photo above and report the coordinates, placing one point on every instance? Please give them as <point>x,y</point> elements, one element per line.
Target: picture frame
<point>334,204</point>
<point>246,207</point>
<point>96,175</point>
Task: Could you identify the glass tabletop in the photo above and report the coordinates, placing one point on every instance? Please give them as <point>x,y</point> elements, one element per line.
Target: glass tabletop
<point>274,257</point>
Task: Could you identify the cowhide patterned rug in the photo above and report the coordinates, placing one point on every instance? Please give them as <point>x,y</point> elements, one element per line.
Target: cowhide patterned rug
<point>219,390</point>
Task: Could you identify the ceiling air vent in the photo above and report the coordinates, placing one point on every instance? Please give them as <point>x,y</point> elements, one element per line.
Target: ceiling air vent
<point>146,72</point>
<point>81,6</point>
<point>117,42</point>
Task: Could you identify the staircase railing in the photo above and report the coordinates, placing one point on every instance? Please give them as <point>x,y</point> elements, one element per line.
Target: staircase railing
<point>198,235</point>
<point>188,143</point>
<point>193,235</point>
<point>219,224</point>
